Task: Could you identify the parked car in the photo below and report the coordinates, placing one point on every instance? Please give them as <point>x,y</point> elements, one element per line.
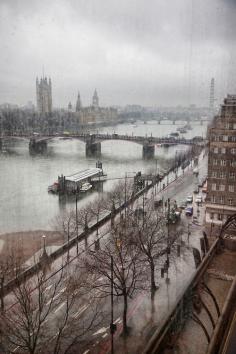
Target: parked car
<point>204,189</point>
<point>174,217</point>
<point>189,211</point>
<point>189,199</point>
<point>183,204</point>
<point>196,189</point>
<point>199,199</point>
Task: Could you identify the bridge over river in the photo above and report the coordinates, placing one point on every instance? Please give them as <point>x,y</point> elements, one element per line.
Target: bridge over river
<point>93,142</point>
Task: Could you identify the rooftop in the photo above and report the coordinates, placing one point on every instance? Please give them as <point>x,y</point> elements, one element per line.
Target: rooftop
<point>82,175</point>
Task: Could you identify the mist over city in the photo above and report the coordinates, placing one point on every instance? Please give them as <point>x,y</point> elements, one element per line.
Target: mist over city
<point>133,52</point>
<point>118,177</point>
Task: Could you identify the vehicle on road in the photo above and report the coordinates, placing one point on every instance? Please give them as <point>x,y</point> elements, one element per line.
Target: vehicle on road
<point>196,189</point>
<point>198,199</point>
<point>204,188</point>
<point>183,204</point>
<point>174,134</point>
<point>189,199</point>
<point>174,217</point>
<point>202,181</point>
<point>189,211</point>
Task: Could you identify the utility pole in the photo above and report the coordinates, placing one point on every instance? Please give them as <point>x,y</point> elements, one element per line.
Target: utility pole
<point>76,218</point>
<point>189,233</point>
<point>125,195</point>
<point>112,325</point>
<point>168,246</point>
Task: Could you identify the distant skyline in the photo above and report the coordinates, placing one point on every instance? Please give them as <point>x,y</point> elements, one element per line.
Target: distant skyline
<point>133,51</point>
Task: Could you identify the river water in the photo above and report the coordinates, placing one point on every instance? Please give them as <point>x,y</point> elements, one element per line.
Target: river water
<point>24,201</point>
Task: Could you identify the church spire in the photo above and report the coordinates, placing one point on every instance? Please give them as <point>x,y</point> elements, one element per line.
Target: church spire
<point>78,103</point>
<point>95,101</point>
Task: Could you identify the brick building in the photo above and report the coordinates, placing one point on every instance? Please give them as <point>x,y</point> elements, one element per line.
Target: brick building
<point>221,187</point>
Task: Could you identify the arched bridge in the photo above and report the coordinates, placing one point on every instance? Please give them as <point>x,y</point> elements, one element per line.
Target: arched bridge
<point>93,142</point>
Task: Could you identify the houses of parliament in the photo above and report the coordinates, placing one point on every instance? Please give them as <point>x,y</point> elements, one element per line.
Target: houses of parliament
<point>83,115</point>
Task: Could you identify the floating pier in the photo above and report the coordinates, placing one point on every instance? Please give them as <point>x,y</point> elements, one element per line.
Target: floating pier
<point>75,183</point>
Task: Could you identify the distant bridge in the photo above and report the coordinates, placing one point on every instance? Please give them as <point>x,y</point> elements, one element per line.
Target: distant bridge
<point>38,143</point>
<point>93,142</point>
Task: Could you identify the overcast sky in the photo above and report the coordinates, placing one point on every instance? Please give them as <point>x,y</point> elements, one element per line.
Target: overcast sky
<point>148,52</point>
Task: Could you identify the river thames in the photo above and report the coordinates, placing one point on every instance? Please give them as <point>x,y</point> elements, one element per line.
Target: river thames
<point>24,201</point>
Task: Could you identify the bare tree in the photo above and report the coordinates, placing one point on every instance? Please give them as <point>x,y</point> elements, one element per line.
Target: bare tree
<point>127,275</point>
<point>11,263</point>
<point>43,316</point>
<point>120,194</point>
<point>151,234</point>
<point>96,208</point>
<point>84,217</point>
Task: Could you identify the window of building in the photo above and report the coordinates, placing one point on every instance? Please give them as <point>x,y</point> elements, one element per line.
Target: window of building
<point>232,163</point>
<point>233,138</point>
<point>219,216</point>
<point>213,187</point>
<point>223,150</point>
<point>227,126</point>
<point>214,162</point>
<point>222,174</point>
<point>231,188</point>
<point>213,199</point>
<point>232,175</point>
<point>223,162</point>
<point>234,125</point>
<point>233,151</point>
<point>222,188</point>
<point>216,138</point>
<point>225,137</point>
<point>211,216</point>
<point>222,199</point>
<point>216,150</point>
<point>214,174</point>
<point>230,201</point>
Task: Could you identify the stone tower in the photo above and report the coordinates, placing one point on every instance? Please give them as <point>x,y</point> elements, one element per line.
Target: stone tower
<point>44,95</point>
<point>78,103</point>
<point>70,107</point>
<point>95,101</point>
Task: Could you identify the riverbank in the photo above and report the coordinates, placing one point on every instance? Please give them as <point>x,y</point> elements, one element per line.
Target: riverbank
<point>25,244</point>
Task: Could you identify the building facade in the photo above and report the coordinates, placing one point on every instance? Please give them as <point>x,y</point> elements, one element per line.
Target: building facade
<point>94,114</point>
<point>221,184</point>
<point>44,95</point>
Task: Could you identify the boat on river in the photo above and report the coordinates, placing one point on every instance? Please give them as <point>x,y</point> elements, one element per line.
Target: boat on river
<point>85,187</point>
<point>174,134</point>
<point>182,130</point>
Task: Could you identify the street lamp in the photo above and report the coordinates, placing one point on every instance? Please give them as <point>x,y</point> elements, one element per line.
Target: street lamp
<point>176,164</point>
<point>168,246</point>
<point>44,244</point>
<point>126,176</point>
<point>76,220</point>
<point>112,324</point>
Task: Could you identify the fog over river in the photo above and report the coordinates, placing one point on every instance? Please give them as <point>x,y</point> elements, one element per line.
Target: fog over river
<point>24,201</point>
